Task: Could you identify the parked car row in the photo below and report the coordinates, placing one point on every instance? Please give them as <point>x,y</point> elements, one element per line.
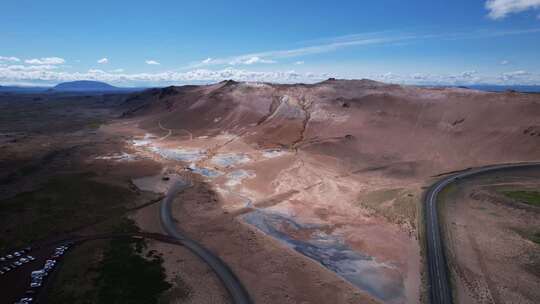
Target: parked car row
<point>25,300</point>
<point>37,276</point>
<point>15,254</point>
<point>19,262</point>
<point>59,251</point>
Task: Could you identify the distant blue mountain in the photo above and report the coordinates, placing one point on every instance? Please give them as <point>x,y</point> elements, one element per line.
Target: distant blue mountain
<point>16,89</point>
<point>71,88</point>
<point>492,87</point>
<point>502,88</point>
<point>85,86</point>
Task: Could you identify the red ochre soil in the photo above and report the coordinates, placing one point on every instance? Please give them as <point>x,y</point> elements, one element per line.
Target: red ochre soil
<point>351,158</point>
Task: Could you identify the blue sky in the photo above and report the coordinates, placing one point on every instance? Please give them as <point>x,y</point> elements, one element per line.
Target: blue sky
<point>175,42</point>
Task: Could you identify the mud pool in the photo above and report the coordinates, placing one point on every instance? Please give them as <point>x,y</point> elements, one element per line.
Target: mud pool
<point>273,153</point>
<point>118,157</point>
<point>380,280</point>
<point>236,177</point>
<point>230,159</point>
<point>179,154</point>
<point>204,171</point>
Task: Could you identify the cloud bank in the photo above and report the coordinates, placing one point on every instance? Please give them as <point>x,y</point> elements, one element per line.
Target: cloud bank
<point>45,61</point>
<point>250,60</point>
<point>355,40</point>
<point>10,59</point>
<point>332,45</point>
<point>499,9</point>
<point>519,77</point>
<point>51,74</point>
<point>51,70</point>
<point>27,74</point>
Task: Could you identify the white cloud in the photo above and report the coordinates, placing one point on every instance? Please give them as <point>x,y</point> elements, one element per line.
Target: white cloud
<point>337,43</point>
<point>513,74</point>
<point>468,74</point>
<point>505,62</point>
<point>464,78</point>
<point>388,76</point>
<point>516,77</point>
<point>45,60</point>
<point>96,71</point>
<point>117,71</point>
<point>299,62</point>
<point>8,74</point>
<point>250,60</point>
<point>152,62</point>
<point>52,74</point>
<point>518,73</point>
<point>501,8</point>
<point>270,56</point>
<point>23,68</point>
<point>12,59</point>
<point>103,61</point>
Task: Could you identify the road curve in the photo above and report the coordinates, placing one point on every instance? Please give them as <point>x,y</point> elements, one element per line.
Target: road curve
<point>234,287</point>
<point>439,286</point>
<point>41,294</point>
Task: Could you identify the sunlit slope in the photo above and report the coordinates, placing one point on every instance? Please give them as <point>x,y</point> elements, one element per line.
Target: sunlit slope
<point>362,123</point>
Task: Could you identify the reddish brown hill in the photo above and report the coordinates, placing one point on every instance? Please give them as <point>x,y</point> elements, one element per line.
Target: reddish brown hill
<point>362,123</point>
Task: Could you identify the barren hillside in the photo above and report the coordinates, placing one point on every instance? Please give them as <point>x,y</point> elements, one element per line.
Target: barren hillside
<point>361,122</point>
<point>333,171</point>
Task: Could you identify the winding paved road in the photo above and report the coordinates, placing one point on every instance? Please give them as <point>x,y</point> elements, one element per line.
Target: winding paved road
<point>233,285</point>
<point>439,286</point>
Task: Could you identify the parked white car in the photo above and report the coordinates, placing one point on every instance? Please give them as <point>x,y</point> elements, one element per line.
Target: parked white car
<point>25,300</point>
<point>37,273</point>
<point>35,284</point>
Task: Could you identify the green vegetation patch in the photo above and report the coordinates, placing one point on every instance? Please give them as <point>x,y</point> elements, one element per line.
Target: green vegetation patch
<point>127,277</point>
<point>112,271</point>
<point>74,282</point>
<point>397,205</point>
<point>523,196</point>
<point>64,203</point>
<point>95,124</point>
<point>54,114</point>
<point>179,293</point>
<point>533,236</point>
<point>447,192</point>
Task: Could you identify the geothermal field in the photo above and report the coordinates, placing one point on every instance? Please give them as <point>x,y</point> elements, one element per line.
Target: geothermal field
<point>304,193</point>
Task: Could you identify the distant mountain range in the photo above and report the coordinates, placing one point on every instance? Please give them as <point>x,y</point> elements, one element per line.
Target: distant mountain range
<point>493,87</point>
<point>80,86</point>
<point>502,88</point>
<point>84,86</point>
<point>97,87</point>
<point>20,89</point>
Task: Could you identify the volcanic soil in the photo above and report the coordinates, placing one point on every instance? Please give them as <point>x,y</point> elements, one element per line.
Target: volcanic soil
<point>313,192</point>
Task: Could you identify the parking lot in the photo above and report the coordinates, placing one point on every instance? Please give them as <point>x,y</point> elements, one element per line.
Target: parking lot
<point>24,271</point>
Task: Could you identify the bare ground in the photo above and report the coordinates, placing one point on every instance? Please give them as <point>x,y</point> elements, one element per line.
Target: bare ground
<point>491,258</point>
